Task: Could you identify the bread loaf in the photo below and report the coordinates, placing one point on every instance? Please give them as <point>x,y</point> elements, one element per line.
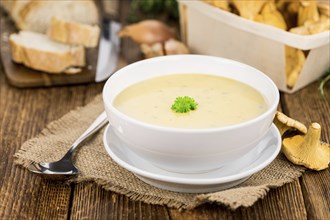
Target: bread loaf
<point>13,7</point>
<point>35,15</point>
<point>70,32</point>
<point>6,4</point>
<point>37,51</point>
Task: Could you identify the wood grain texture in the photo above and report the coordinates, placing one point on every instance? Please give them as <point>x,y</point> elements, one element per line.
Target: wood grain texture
<point>273,206</point>
<point>19,189</point>
<point>25,112</point>
<point>281,203</point>
<point>92,202</point>
<point>309,106</point>
<point>316,190</point>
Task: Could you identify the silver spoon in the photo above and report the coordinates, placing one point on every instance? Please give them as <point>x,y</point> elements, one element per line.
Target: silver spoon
<point>65,168</point>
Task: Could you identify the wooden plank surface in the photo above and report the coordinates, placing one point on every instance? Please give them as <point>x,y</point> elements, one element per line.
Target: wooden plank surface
<point>309,106</point>
<point>92,202</point>
<point>25,112</point>
<point>273,206</point>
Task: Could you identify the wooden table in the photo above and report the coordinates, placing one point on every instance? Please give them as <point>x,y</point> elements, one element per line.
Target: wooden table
<point>25,112</point>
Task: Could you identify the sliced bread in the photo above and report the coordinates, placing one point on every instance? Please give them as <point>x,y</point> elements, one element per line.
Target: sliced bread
<point>14,7</point>
<point>37,51</point>
<point>75,33</point>
<point>35,15</point>
<point>7,4</point>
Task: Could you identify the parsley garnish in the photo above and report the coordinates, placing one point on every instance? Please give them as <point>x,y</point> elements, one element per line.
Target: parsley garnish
<point>184,104</point>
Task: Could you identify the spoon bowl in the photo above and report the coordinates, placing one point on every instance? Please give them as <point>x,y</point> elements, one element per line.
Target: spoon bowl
<point>65,168</point>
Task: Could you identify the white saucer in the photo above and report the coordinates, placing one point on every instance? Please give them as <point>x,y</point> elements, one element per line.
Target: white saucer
<point>225,177</point>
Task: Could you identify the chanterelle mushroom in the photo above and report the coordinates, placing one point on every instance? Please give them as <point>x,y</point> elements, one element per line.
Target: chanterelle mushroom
<point>271,16</point>
<point>308,150</point>
<point>147,32</point>
<point>324,8</point>
<point>294,62</point>
<point>323,24</point>
<point>307,12</point>
<point>248,9</point>
<point>168,47</point>
<point>284,123</point>
<point>173,46</point>
<point>223,4</point>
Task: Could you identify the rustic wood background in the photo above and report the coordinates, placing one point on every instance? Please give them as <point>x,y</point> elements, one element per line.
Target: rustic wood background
<point>25,112</point>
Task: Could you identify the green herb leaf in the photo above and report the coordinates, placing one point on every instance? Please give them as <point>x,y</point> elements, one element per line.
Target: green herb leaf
<point>324,81</point>
<point>184,104</point>
<point>164,10</point>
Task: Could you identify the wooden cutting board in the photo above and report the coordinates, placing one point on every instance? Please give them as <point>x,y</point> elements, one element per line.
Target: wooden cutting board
<point>24,77</point>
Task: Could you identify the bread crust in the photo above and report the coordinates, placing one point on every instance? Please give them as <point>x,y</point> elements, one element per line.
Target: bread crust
<point>7,4</point>
<point>73,33</point>
<point>47,61</point>
<point>29,17</point>
<point>15,8</point>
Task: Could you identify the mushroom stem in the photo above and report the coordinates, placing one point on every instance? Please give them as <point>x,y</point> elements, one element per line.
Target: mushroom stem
<point>313,136</point>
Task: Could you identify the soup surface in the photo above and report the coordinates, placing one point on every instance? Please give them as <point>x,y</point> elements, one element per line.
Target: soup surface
<point>221,101</point>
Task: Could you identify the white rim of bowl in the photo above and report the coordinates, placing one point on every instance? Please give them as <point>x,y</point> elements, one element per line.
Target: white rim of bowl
<point>272,107</point>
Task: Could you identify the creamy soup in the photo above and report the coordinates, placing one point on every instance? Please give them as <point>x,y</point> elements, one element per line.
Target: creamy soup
<point>221,101</point>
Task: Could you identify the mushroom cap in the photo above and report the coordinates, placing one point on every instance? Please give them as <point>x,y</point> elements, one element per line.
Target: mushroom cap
<point>308,150</point>
<point>284,123</point>
<point>173,46</point>
<point>271,16</point>
<point>168,47</point>
<point>324,8</point>
<point>248,9</point>
<point>153,50</point>
<point>295,60</point>
<point>307,12</point>
<point>224,4</point>
<point>313,27</point>
<point>147,32</point>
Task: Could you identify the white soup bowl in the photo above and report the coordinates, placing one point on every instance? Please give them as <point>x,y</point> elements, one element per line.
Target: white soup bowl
<point>189,150</point>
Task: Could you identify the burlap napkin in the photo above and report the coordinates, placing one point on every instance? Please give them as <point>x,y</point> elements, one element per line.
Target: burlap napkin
<point>96,165</point>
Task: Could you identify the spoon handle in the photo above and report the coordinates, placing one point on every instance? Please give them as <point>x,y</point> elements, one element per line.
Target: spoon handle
<point>99,122</point>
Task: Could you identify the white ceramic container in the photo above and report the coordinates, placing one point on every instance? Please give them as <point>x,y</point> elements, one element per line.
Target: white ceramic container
<point>189,150</point>
<point>211,31</point>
